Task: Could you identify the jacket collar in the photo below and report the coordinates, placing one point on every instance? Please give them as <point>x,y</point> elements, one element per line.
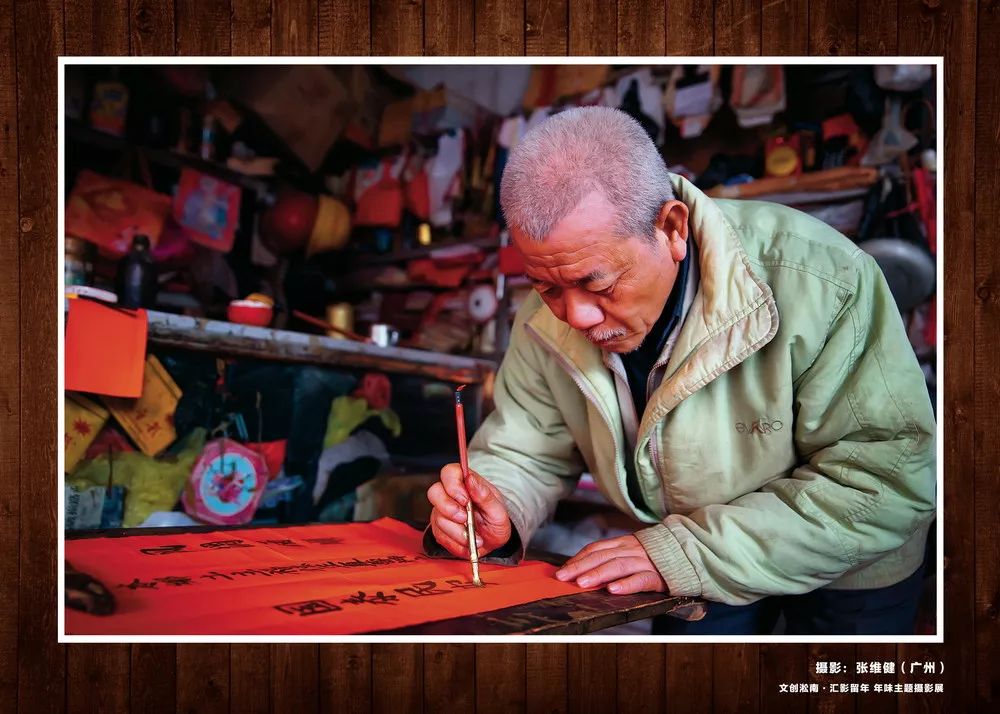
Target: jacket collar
<point>733,316</point>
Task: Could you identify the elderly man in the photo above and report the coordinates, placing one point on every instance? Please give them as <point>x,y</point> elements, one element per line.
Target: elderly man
<point>734,373</point>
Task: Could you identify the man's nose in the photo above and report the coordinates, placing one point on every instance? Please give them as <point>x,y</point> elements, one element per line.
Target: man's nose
<point>581,312</point>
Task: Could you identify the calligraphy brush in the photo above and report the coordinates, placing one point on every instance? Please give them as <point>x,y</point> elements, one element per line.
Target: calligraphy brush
<point>463,456</point>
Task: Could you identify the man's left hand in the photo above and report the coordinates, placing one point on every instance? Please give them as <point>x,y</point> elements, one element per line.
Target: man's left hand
<point>620,562</point>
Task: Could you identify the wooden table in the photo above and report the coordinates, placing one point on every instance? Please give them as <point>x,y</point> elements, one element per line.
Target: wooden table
<point>577,614</point>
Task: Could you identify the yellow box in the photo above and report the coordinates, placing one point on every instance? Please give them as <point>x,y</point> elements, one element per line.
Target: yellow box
<point>83,421</point>
<point>149,419</point>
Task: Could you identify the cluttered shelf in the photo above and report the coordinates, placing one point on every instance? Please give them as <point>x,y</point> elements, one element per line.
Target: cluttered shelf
<point>86,135</point>
<point>171,330</point>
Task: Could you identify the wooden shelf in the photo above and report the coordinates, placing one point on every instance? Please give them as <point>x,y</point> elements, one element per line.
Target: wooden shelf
<point>203,335</point>
<point>165,157</point>
<point>398,256</point>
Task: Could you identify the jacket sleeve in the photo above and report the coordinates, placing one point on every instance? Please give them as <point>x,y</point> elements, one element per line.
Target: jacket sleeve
<point>864,430</point>
<point>524,447</point>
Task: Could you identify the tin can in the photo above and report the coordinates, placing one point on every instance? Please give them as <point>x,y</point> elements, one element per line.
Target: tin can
<point>340,315</point>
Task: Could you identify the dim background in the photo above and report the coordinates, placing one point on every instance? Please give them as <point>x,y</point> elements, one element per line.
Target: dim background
<point>37,674</point>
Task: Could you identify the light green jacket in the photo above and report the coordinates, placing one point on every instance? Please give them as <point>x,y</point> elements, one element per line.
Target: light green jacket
<point>790,444</point>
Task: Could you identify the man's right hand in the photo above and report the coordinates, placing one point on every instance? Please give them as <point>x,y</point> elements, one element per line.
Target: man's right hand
<point>489,513</point>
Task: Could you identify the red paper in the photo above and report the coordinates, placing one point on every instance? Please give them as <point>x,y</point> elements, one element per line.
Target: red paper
<point>105,349</point>
<point>110,212</point>
<point>300,580</point>
<point>208,208</point>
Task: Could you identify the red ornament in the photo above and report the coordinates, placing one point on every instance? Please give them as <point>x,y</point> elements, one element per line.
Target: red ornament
<point>286,226</point>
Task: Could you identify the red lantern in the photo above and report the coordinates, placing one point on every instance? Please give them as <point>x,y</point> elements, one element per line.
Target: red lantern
<point>286,226</point>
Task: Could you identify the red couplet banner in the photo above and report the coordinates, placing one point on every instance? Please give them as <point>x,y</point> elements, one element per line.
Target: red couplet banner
<point>301,580</point>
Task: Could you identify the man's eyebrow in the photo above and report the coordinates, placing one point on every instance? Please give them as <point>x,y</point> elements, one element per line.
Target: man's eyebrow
<point>592,277</point>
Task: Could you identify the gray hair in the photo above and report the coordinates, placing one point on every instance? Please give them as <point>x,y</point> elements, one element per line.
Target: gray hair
<point>575,152</point>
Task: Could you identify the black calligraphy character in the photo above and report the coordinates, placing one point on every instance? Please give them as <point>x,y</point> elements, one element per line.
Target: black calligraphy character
<point>462,584</point>
<point>214,575</point>
<point>378,598</point>
<point>307,607</point>
<point>136,584</point>
<point>175,580</point>
<point>164,550</point>
<point>285,542</point>
<point>223,544</point>
<point>328,540</point>
<point>422,589</point>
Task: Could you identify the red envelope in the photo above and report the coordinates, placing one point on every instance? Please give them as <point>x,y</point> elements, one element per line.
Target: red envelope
<point>105,349</point>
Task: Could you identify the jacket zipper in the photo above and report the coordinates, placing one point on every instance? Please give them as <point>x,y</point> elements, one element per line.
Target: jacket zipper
<point>588,394</point>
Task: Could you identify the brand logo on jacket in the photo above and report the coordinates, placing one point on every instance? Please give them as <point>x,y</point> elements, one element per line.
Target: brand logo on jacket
<point>759,426</point>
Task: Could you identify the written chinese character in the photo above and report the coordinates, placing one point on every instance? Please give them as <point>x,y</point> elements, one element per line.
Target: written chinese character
<point>288,542</point>
<point>136,584</point>
<point>822,667</point>
<point>835,668</point>
<point>861,667</point>
<point>422,589</point>
<point>153,428</point>
<point>930,668</point>
<point>164,550</point>
<point>462,584</point>
<point>307,608</point>
<point>325,541</point>
<point>175,580</point>
<point>223,544</point>
<point>214,575</point>
<point>378,598</point>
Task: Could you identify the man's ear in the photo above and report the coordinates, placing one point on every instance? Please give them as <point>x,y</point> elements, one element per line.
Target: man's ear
<point>673,221</point>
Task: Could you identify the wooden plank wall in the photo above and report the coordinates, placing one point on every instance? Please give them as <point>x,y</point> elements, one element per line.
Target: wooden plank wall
<point>39,675</point>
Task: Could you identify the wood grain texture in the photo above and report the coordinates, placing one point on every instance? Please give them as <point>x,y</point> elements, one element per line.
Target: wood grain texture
<point>202,27</point>
<point>690,27</point>
<point>782,664</point>
<point>784,27</point>
<point>449,677</point>
<point>397,27</point>
<point>587,27</point>
<point>641,678</point>
<point>592,674</point>
<point>397,678</point>
<point>345,678</point>
<point>41,662</point>
<point>737,670</point>
<point>97,27</point>
<point>203,679</point>
<point>449,27</point>
<point>737,27</point>
<point>342,26</point>
<point>987,338</point>
<point>547,680</point>
<point>37,675</point>
<point>151,27</point>
<point>98,675</point>
<point>295,678</point>
<point>152,678</point>
<point>833,27</point>
<point>641,27</point>
<point>546,27</point>
<point>949,28</point>
<point>499,27</point>
<point>250,31</point>
<point>250,673</point>
<point>690,677</point>
<point>293,28</point>
<point>500,678</point>
<point>10,368</point>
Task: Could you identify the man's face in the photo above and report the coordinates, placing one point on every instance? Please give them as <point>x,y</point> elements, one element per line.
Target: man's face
<point>612,289</point>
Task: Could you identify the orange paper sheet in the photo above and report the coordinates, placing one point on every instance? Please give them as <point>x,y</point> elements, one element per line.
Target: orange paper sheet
<point>301,580</point>
<point>105,349</point>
